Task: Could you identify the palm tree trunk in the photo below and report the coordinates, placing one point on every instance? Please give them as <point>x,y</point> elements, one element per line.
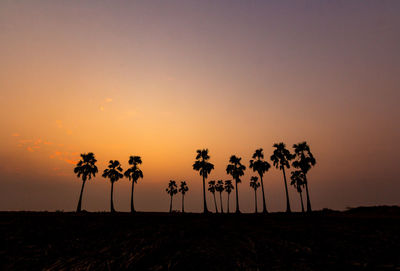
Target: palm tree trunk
<point>228,201</point>
<point>183,203</point>
<point>220,200</point>
<point>263,196</point>
<point>255,200</point>
<point>204,196</point>
<point>132,206</point>
<point>287,193</point>
<point>308,195</point>
<point>215,203</point>
<point>112,201</point>
<point>237,197</point>
<point>78,209</point>
<point>302,205</point>
<point>170,205</point>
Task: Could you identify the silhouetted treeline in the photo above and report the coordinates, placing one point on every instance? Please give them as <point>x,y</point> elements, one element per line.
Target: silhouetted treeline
<point>302,160</point>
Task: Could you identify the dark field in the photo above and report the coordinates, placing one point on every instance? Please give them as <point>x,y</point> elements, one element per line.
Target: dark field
<point>360,239</point>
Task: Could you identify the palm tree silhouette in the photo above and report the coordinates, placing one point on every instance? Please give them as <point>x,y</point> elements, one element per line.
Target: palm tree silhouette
<point>228,188</point>
<point>255,184</point>
<point>86,168</point>
<point>133,174</point>
<point>281,158</point>
<point>113,172</point>
<point>260,166</point>
<point>219,187</point>
<point>211,188</point>
<point>297,178</point>
<point>183,188</point>
<point>171,190</point>
<point>236,170</point>
<point>204,167</point>
<point>304,161</point>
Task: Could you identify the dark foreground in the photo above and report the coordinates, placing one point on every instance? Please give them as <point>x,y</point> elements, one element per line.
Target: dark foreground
<point>363,239</point>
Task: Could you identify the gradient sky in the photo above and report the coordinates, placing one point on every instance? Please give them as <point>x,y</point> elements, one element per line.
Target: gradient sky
<point>161,79</point>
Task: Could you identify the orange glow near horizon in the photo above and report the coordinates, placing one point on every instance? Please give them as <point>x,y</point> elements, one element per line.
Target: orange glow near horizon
<point>163,80</point>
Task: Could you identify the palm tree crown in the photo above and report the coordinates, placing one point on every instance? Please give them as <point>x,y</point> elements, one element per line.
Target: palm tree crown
<point>219,186</point>
<point>134,173</point>
<point>254,183</point>
<point>211,186</point>
<point>113,172</point>
<point>304,158</point>
<point>281,156</point>
<point>297,178</point>
<point>183,188</point>
<point>204,167</point>
<point>228,186</point>
<point>85,168</point>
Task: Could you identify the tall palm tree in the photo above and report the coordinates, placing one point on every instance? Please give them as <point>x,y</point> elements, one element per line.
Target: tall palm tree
<point>86,168</point>
<point>228,188</point>
<point>281,158</point>
<point>304,161</point>
<point>171,190</point>
<point>133,174</point>
<point>183,188</point>
<point>236,170</point>
<point>297,178</point>
<point>204,167</point>
<point>255,184</point>
<point>219,187</point>
<point>211,188</point>
<point>113,172</point>
<point>259,165</point>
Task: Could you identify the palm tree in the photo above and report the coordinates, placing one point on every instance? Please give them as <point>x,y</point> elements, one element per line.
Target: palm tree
<point>211,188</point>
<point>219,187</point>
<point>281,158</point>
<point>297,178</point>
<point>133,174</point>
<point>260,166</point>
<point>171,190</point>
<point>204,167</point>
<point>304,161</point>
<point>113,172</point>
<point>86,168</point>
<point>236,170</point>
<point>183,188</point>
<point>228,188</point>
<point>255,184</point>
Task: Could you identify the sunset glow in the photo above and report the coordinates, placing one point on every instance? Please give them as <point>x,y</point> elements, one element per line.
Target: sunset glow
<point>161,79</point>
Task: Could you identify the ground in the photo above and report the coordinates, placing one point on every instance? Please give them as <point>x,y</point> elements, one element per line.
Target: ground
<point>359,239</point>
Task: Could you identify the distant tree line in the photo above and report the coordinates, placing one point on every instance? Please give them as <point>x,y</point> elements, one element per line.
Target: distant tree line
<point>302,160</point>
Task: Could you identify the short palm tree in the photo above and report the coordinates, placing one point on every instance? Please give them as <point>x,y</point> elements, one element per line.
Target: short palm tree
<point>259,165</point>
<point>204,167</point>
<point>304,161</point>
<point>255,184</point>
<point>297,178</point>
<point>280,159</point>
<point>183,188</point>
<point>228,188</point>
<point>171,190</point>
<point>113,172</point>
<point>236,170</point>
<point>85,168</point>
<point>133,174</point>
<point>211,188</point>
<point>219,187</point>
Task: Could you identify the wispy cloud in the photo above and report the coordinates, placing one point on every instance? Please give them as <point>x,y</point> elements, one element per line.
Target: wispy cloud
<point>15,135</point>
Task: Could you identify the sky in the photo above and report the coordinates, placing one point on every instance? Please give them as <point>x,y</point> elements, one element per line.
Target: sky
<point>161,79</point>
